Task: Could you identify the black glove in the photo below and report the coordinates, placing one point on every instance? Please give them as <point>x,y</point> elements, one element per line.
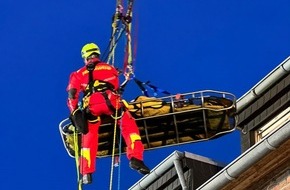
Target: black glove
<point>120,90</point>
<point>78,119</point>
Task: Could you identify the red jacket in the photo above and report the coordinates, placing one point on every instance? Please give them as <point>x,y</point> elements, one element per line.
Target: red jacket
<point>79,80</point>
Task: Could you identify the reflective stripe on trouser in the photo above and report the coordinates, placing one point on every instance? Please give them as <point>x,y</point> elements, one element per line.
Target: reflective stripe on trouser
<point>130,133</point>
<point>89,149</point>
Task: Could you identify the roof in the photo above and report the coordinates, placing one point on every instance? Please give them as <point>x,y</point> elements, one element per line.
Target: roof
<point>176,170</point>
<point>256,153</point>
<point>280,71</point>
<point>275,142</point>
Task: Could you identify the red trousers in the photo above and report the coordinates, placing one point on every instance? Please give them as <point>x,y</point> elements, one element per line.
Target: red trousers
<point>129,130</point>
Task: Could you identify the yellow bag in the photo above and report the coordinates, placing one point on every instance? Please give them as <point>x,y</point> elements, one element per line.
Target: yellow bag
<point>144,106</point>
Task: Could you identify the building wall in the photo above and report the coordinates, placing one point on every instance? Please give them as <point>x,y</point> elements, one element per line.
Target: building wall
<point>280,182</point>
<point>262,110</point>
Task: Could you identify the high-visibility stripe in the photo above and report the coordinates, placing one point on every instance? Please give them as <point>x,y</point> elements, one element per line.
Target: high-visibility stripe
<point>85,153</point>
<point>134,137</point>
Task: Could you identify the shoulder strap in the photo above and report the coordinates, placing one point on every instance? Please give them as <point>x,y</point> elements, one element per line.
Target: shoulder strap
<point>91,68</point>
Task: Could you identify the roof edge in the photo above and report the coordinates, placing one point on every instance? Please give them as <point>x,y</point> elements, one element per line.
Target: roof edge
<point>166,164</point>
<point>281,70</point>
<point>158,171</point>
<point>248,158</point>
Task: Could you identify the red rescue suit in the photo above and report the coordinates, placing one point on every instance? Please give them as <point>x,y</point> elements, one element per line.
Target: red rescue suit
<point>98,105</point>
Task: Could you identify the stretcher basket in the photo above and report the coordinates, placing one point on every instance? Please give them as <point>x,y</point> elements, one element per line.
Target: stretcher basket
<point>167,121</point>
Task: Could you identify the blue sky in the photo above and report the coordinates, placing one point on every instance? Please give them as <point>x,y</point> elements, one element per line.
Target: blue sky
<point>182,46</point>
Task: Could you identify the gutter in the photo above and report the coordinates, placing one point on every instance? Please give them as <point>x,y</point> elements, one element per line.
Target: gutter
<point>271,142</point>
<point>173,160</point>
<point>158,171</point>
<point>281,70</point>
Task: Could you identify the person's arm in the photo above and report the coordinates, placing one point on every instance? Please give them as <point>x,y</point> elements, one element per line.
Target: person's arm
<point>73,90</point>
<point>77,115</point>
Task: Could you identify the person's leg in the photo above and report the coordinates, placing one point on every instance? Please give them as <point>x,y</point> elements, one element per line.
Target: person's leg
<point>97,106</point>
<point>89,147</point>
<point>135,149</point>
<point>130,133</point>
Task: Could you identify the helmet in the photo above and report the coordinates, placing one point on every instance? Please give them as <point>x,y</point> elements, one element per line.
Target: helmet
<point>89,49</point>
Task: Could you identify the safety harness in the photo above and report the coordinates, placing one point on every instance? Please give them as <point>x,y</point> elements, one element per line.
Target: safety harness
<point>101,87</point>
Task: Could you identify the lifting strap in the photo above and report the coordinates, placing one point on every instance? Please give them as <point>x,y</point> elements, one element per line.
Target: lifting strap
<point>116,34</point>
<point>121,24</point>
<point>143,85</point>
<point>128,60</point>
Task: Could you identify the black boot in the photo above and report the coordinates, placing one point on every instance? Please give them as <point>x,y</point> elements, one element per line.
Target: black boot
<point>139,165</point>
<point>87,179</point>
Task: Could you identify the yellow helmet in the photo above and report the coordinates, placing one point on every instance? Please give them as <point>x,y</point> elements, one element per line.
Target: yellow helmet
<point>89,49</point>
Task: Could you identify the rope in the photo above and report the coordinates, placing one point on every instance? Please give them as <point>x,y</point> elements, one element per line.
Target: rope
<point>76,147</point>
<point>128,69</point>
<point>127,21</point>
<point>115,37</point>
<point>116,33</point>
<point>113,46</point>
<point>120,151</point>
<point>114,143</point>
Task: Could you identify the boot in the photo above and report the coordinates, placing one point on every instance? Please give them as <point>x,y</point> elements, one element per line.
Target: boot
<point>87,179</point>
<point>139,165</point>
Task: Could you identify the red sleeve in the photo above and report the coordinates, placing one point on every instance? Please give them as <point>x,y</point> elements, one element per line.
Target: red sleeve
<point>74,83</point>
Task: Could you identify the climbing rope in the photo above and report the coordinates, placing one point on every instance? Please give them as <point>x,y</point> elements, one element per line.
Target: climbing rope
<point>127,20</point>
<point>116,33</point>
<point>114,143</point>
<point>119,157</point>
<point>121,24</point>
<point>76,148</point>
<point>128,70</point>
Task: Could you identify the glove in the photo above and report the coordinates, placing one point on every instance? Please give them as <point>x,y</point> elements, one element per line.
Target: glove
<point>78,119</point>
<point>120,90</point>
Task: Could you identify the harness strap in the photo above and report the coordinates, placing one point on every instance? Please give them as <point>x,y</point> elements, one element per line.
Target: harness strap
<point>102,87</point>
<point>119,111</point>
<point>91,69</point>
<point>98,86</point>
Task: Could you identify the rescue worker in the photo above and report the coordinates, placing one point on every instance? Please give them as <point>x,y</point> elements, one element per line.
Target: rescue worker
<point>99,83</point>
